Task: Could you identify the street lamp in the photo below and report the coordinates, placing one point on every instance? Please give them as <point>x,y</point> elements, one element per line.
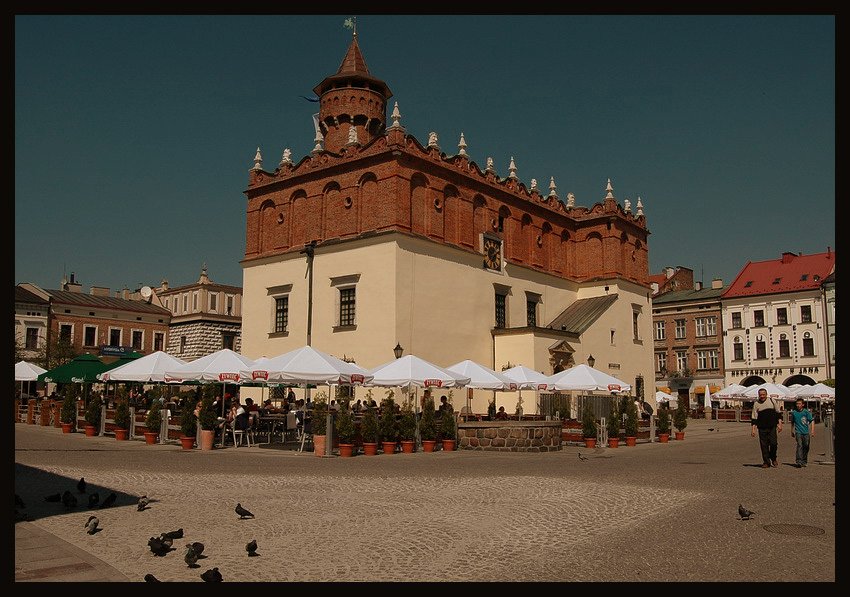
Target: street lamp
<point>398,350</point>
<point>590,361</point>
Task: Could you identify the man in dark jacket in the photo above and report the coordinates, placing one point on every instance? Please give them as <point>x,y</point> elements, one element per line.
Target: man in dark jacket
<point>767,418</point>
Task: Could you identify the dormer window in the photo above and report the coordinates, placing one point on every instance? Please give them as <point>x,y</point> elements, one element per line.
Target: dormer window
<point>804,277</point>
<point>776,280</point>
<point>748,284</point>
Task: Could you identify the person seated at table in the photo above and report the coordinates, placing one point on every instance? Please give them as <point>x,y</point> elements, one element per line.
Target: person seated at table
<point>334,405</point>
<point>253,412</point>
<point>501,415</point>
<point>444,405</point>
<point>357,406</point>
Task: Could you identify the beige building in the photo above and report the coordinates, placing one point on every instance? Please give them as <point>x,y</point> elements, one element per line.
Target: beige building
<point>32,309</point>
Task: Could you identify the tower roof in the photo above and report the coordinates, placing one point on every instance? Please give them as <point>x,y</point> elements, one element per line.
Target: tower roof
<point>354,72</point>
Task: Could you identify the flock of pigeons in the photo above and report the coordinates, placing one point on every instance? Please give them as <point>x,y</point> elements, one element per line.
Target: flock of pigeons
<point>160,545</point>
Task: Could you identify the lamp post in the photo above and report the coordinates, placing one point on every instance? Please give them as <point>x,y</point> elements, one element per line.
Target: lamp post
<point>398,350</point>
<point>590,361</point>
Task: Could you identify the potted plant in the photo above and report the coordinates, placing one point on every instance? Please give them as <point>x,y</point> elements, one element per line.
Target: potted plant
<point>387,427</point>
<point>612,424</point>
<point>407,428</point>
<point>631,423</point>
<point>588,425</point>
<point>68,413</point>
<point>428,426</point>
<point>663,424</point>
<point>93,413</point>
<point>153,422</point>
<point>369,431</point>
<point>318,423</point>
<point>448,430</point>
<point>680,419</point>
<point>122,419</point>
<point>188,424</point>
<point>207,418</point>
<point>344,428</point>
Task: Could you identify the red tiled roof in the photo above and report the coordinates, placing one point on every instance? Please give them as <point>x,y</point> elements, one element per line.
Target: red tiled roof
<point>658,278</point>
<point>65,297</point>
<point>790,273</point>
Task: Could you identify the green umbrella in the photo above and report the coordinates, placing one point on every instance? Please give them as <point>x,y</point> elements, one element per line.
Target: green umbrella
<point>82,369</point>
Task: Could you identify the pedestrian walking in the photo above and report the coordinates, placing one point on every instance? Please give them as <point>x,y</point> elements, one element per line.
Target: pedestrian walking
<point>802,429</point>
<point>767,418</point>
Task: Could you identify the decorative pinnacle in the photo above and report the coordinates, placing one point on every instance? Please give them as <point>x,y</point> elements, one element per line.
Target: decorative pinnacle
<point>490,165</point>
<point>258,161</point>
<point>352,135</point>
<point>432,140</point>
<point>512,169</point>
<point>639,207</point>
<point>461,145</point>
<point>610,190</point>
<point>627,205</point>
<point>533,184</point>
<point>552,187</point>
<point>396,115</point>
<point>286,160</point>
<point>320,140</point>
<point>571,200</point>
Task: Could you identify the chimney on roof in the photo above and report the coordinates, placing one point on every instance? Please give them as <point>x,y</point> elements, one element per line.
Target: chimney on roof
<point>99,291</point>
<point>717,283</point>
<point>669,271</point>
<point>125,293</point>
<point>788,257</point>
<point>697,285</point>
<point>73,285</point>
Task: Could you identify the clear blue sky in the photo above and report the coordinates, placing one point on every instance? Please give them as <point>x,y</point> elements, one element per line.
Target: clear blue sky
<point>134,134</point>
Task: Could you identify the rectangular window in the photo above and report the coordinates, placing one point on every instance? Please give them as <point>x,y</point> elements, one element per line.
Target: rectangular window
<point>707,359</point>
<point>115,336</point>
<point>137,340</point>
<point>808,347</point>
<point>761,350</point>
<point>346,306</point>
<point>758,318</point>
<point>784,348</point>
<point>531,312</point>
<point>90,336</point>
<point>661,362</point>
<point>635,327</point>
<point>680,329</point>
<point>281,313</point>
<point>501,302</point>
<point>681,361</point>
<point>158,338</point>
<point>738,349</point>
<point>782,316</point>
<point>182,344</point>
<point>32,339</point>
<point>185,303</point>
<point>166,304</point>
<point>736,319</point>
<point>229,310</point>
<point>213,302</point>
<point>706,326</point>
<point>194,301</point>
<point>66,333</point>
<point>660,330</point>
<point>806,314</point>
<point>228,341</point>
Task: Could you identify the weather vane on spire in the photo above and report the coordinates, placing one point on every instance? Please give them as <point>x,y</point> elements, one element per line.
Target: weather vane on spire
<point>351,23</point>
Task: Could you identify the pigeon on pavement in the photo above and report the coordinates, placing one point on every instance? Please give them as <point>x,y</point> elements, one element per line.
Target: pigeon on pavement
<point>198,547</point>
<point>110,499</point>
<point>744,513</point>
<point>143,503</point>
<point>151,578</point>
<point>81,485</point>
<point>211,575</point>
<point>251,548</point>
<point>166,540</point>
<point>178,534</point>
<point>191,558</point>
<point>242,512</point>
<point>94,499</point>
<point>91,525</point>
<point>53,497</point>
<point>157,546</point>
<point>580,457</point>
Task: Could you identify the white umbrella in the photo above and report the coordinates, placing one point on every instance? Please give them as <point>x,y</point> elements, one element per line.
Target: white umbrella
<point>410,370</point>
<point>149,368</point>
<point>586,378</point>
<point>483,378</point>
<point>25,371</point>
<point>661,396</point>
<point>773,390</point>
<point>527,379</point>
<point>306,365</point>
<point>706,401</point>
<point>221,366</point>
<point>733,390</point>
<point>819,391</point>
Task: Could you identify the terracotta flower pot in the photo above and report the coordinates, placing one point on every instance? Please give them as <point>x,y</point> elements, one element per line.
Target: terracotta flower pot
<point>631,441</point>
<point>449,445</point>
<point>151,437</point>
<point>663,437</point>
<point>680,435</point>
<point>319,445</point>
<point>613,442</point>
<point>121,434</point>
<point>428,445</point>
<point>388,447</point>
<point>370,449</point>
<point>346,450</point>
<point>407,446</point>
<point>91,431</point>
<point>67,427</point>
<point>207,439</point>
<point>188,442</point>
<point>590,442</point>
